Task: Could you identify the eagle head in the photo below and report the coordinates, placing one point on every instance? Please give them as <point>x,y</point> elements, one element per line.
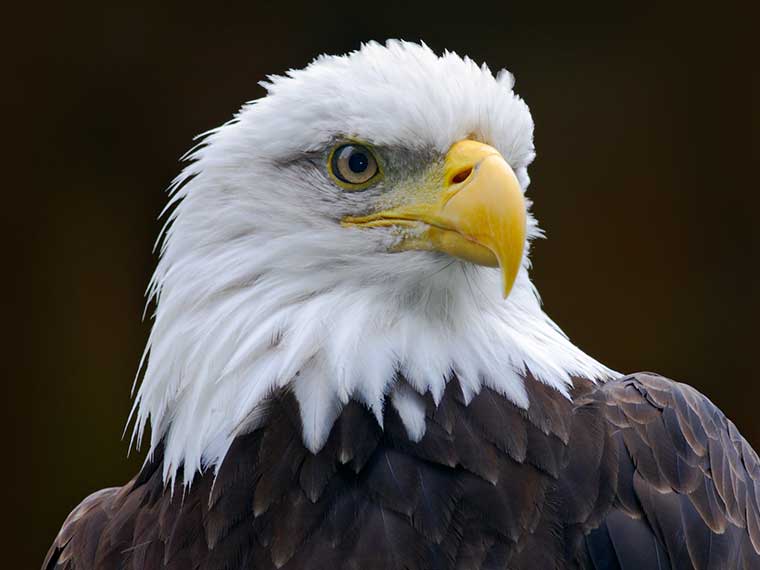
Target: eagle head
<point>364,222</point>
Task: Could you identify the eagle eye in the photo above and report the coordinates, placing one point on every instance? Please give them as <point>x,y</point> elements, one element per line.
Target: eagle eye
<point>353,166</point>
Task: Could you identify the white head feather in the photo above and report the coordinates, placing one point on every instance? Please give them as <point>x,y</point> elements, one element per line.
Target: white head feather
<point>259,287</point>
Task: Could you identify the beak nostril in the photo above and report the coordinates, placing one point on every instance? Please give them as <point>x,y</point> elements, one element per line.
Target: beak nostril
<point>462,175</point>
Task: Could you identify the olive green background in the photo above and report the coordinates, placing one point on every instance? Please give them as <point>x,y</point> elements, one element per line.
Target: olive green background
<point>643,180</point>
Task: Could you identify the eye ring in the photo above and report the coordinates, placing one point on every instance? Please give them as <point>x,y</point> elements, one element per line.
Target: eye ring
<point>353,166</point>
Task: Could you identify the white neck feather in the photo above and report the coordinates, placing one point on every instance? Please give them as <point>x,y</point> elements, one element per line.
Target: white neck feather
<point>220,346</point>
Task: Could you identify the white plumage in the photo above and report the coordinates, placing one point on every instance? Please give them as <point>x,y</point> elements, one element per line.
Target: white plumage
<point>259,286</point>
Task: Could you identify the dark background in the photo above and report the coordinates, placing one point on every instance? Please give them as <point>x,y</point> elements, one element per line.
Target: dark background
<point>642,182</point>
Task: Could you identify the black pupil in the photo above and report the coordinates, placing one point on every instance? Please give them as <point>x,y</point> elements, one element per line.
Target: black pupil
<point>358,162</point>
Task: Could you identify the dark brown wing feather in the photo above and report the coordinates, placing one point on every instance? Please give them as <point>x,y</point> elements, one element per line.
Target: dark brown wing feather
<point>688,484</point>
<point>639,473</point>
<point>80,534</point>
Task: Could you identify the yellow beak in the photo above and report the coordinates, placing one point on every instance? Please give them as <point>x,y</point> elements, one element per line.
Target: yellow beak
<point>477,214</point>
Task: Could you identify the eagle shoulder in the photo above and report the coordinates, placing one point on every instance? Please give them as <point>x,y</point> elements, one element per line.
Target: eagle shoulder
<point>120,527</point>
<point>81,532</point>
<point>687,483</point>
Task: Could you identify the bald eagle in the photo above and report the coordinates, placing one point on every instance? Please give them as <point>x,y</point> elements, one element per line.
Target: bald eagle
<point>349,367</point>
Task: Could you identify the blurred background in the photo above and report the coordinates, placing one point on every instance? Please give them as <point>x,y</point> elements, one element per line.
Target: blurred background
<point>642,183</point>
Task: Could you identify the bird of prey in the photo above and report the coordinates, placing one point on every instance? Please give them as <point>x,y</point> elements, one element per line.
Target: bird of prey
<point>349,367</point>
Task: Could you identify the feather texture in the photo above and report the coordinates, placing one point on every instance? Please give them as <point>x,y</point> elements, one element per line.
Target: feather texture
<point>374,498</point>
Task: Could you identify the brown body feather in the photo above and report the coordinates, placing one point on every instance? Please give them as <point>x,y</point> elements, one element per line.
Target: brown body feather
<point>637,473</point>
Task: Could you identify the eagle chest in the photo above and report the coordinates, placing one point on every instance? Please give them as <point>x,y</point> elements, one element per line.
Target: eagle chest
<point>481,489</point>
